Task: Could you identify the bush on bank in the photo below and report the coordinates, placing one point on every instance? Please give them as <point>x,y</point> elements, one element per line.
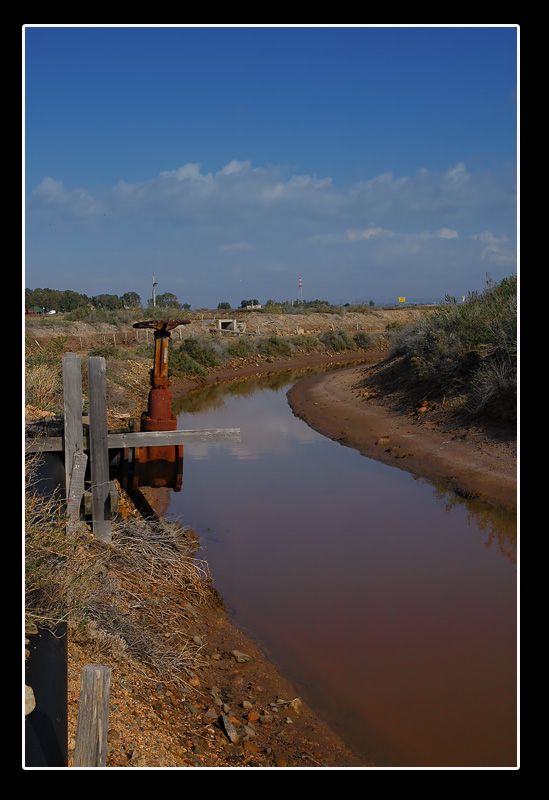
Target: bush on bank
<point>467,350</point>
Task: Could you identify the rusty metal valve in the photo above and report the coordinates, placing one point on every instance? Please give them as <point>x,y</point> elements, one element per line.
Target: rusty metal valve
<point>158,416</point>
<point>155,466</point>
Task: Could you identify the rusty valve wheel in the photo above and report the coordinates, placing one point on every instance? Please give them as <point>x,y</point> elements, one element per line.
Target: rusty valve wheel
<point>162,324</point>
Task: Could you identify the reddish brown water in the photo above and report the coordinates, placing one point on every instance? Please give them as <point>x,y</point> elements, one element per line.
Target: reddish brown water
<point>388,602</point>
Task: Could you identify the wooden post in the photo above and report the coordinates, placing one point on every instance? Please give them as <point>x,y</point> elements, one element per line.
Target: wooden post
<point>99,452</point>
<point>93,717</point>
<point>72,402</point>
<point>73,440</point>
<point>76,490</point>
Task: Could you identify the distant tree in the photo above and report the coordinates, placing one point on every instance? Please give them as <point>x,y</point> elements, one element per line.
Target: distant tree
<point>168,300</point>
<point>131,300</point>
<point>110,302</point>
<point>224,305</point>
<point>246,303</point>
<point>55,299</point>
<point>70,300</point>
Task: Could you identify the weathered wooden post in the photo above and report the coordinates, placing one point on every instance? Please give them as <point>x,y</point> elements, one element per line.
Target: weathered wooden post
<point>93,717</point>
<point>75,457</point>
<point>99,451</point>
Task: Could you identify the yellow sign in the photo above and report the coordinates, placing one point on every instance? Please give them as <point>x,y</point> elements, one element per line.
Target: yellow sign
<point>401,299</point>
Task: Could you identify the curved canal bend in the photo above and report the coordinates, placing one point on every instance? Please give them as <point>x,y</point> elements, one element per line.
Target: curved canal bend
<point>388,602</point>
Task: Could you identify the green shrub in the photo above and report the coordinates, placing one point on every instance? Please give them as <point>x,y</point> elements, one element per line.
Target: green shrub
<point>182,364</point>
<point>274,346</point>
<point>468,349</point>
<point>104,351</point>
<point>200,352</point>
<point>238,348</point>
<point>363,340</point>
<point>305,343</point>
<point>337,341</point>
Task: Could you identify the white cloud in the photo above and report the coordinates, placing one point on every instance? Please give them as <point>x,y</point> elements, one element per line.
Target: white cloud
<point>51,192</point>
<point>225,248</point>
<point>447,233</point>
<point>366,233</point>
<point>363,234</point>
<point>428,223</point>
<point>425,200</point>
<point>234,166</point>
<point>50,195</point>
<point>495,249</point>
<point>189,172</point>
<point>456,176</point>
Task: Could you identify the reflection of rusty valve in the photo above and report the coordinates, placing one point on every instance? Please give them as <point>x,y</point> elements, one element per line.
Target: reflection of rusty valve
<point>158,466</point>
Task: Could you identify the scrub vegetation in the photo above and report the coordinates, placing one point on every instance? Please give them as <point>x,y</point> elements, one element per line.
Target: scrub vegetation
<point>464,352</point>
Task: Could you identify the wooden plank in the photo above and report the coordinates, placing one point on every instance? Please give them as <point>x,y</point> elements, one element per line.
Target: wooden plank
<point>93,717</point>
<point>72,402</point>
<point>44,444</point>
<point>116,441</point>
<point>160,438</point>
<point>99,453</point>
<point>76,490</point>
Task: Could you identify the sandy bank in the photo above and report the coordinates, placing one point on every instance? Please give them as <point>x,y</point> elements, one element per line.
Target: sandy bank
<point>466,460</point>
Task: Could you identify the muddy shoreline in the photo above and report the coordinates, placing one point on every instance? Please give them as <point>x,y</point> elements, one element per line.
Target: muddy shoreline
<point>466,460</point>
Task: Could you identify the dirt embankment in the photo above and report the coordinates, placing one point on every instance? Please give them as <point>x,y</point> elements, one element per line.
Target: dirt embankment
<point>427,441</point>
<point>378,320</point>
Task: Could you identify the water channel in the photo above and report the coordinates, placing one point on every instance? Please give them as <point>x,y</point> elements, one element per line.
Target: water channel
<point>387,601</point>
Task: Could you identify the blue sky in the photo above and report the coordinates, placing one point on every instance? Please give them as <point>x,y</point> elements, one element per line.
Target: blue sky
<point>375,162</point>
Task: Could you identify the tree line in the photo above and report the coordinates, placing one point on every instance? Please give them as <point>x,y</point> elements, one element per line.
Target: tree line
<point>67,300</point>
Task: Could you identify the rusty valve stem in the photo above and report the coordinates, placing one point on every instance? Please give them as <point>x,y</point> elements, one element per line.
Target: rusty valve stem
<point>158,416</point>
<point>158,466</point>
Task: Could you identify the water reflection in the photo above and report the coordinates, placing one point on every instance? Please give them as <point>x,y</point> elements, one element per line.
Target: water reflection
<point>378,595</point>
<point>498,527</point>
<point>262,430</point>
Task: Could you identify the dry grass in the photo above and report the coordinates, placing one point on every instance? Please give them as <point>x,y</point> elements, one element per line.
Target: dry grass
<point>153,577</point>
<point>128,600</point>
<point>60,565</point>
<point>42,386</point>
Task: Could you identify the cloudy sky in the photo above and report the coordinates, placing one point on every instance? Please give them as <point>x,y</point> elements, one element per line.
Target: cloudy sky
<point>375,162</point>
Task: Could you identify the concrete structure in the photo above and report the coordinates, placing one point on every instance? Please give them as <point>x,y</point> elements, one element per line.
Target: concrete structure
<point>230,325</point>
